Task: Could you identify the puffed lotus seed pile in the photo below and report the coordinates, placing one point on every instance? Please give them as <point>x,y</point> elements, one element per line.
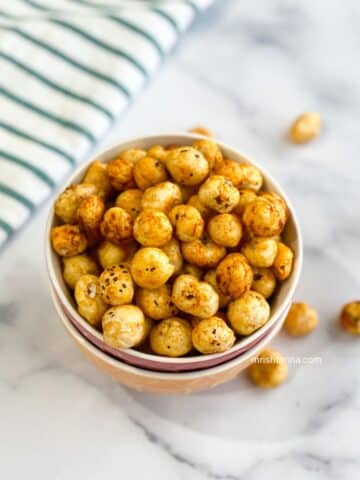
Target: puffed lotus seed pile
<point>174,246</point>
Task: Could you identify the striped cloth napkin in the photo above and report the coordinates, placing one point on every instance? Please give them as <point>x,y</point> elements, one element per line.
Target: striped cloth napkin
<point>68,69</point>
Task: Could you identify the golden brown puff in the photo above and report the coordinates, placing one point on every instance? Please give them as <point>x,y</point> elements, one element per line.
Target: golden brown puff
<point>269,369</point>
<point>151,267</point>
<point>163,196</point>
<point>152,228</point>
<point>111,254</point>
<point>124,326</point>
<point>203,253</point>
<point>301,319</point>
<point>305,128</point>
<point>77,266</point>
<point>234,275</point>
<point>248,313</point>
<point>264,281</point>
<point>91,305</point>
<point>225,229</point>
<point>210,150</point>
<point>68,240</point>
<point>173,251</point>
<point>187,221</point>
<point>232,170</point>
<point>252,177</point>
<point>219,194</point>
<point>116,284</point>
<point>116,225</point>
<point>262,218</point>
<point>130,200</point>
<point>260,252</point>
<point>202,131</point>
<point>68,202</point>
<point>97,175</point>
<point>350,317</point>
<point>246,196</point>
<point>157,151</point>
<point>156,303</point>
<point>212,335</point>
<point>205,211</point>
<point>283,263</point>
<point>195,297</point>
<point>187,165</point>
<point>171,337</point>
<point>210,278</point>
<point>90,214</point>
<point>149,171</point>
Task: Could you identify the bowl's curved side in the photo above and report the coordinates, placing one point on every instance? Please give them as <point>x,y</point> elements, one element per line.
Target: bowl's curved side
<point>281,301</point>
<point>160,382</point>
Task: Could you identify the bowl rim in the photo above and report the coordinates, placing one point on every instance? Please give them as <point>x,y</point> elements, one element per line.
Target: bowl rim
<point>169,138</point>
<point>162,375</point>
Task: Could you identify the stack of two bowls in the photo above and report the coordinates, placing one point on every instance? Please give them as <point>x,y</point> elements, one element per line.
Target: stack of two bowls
<point>147,372</point>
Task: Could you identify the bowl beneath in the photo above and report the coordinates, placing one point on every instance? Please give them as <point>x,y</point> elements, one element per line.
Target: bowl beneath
<point>164,382</point>
<point>279,303</point>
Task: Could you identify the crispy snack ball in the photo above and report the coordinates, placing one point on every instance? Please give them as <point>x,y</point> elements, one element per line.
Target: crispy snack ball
<point>151,267</point>
<point>187,165</point>
<point>219,194</point>
<point>116,284</point>
<point>157,151</point>
<point>350,317</point>
<point>90,303</point>
<point>305,128</point>
<point>269,369</point>
<point>156,303</point>
<point>152,228</point>
<point>171,337</point>
<point>225,229</point>
<point>212,335</point>
<point>163,196</point>
<point>264,281</point>
<point>116,225</point>
<point>192,270</point>
<point>248,313</point>
<point>110,254</point>
<point>283,263</point>
<point>90,214</point>
<point>173,251</point>
<point>187,221</point>
<point>77,266</point>
<point>252,177</point>
<point>262,218</point>
<point>149,171</point>
<point>210,150</point>
<point>130,201</point>
<point>234,275</point>
<point>246,196</point>
<point>210,278</point>
<point>120,170</point>
<point>68,240</point>
<point>203,253</point>
<point>205,211</point>
<point>231,170</point>
<point>97,175</point>
<point>68,202</point>
<point>195,297</point>
<point>202,131</point>
<point>300,320</point>
<point>124,326</point>
<point>260,252</point>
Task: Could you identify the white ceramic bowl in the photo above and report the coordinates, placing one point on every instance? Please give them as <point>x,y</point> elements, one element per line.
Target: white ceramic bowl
<point>279,304</point>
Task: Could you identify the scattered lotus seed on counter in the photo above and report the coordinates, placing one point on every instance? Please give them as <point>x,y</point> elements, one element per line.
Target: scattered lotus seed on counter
<point>269,369</point>
<point>350,317</point>
<point>305,128</point>
<point>175,250</point>
<point>301,320</point>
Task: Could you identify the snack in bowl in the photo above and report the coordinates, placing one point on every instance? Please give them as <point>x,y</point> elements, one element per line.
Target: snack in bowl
<point>177,246</point>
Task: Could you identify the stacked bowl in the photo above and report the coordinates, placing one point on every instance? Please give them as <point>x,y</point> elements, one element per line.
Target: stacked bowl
<point>145,371</point>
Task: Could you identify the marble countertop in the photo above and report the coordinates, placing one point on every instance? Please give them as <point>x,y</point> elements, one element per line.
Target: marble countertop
<point>245,70</point>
